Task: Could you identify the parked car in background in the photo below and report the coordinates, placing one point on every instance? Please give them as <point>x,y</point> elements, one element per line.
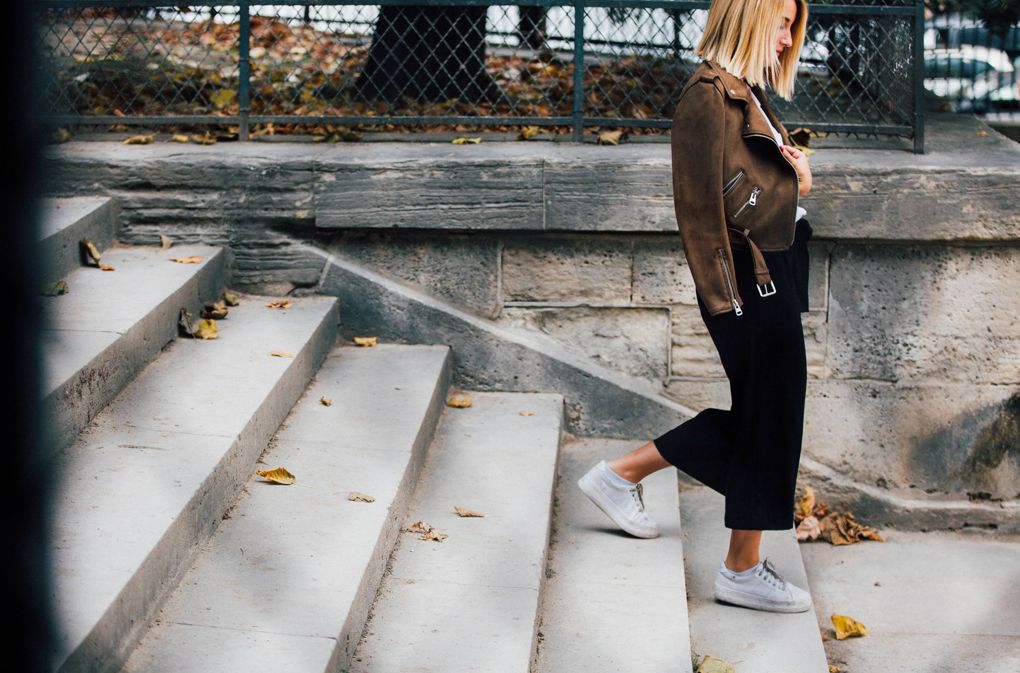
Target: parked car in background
<point>977,79</point>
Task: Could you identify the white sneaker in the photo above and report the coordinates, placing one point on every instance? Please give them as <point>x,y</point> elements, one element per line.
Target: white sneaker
<point>624,505</point>
<point>762,589</point>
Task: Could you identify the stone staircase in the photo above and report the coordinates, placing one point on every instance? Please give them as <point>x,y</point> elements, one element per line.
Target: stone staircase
<point>171,554</point>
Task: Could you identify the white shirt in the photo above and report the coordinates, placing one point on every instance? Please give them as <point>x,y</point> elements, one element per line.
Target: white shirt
<point>801,212</point>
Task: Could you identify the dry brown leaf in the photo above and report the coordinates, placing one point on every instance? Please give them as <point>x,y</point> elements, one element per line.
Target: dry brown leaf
<point>164,242</point>
<point>180,138</point>
<point>194,259</point>
<point>231,298</point>
<point>460,401</point>
<point>206,139</point>
<point>808,529</point>
<point>207,329</point>
<point>427,531</point>
<point>282,303</point>
<point>982,133</point>
<point>90,251</point>
<point>217,310</point>
<point>106,267</point>
<point>140,140</point>
<point>465,512</point>
<point>710,664</point>
<point>526,412</point>
<point>806,504</point>
<point>833,668</point>
<point>281,354</point>
<point>325,401</point>
<point>360,497</point>
<point>55,288</point>
<point>529,132</point>
<point>364,341</point>
<point>61,135</point>
<point>848,627</point>
<point>464,140</point>
<point>278,475</point>
<point>610,137</point>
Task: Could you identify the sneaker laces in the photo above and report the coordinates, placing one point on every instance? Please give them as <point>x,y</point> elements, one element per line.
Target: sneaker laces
<point>638,491</point>
<point>770,575</point>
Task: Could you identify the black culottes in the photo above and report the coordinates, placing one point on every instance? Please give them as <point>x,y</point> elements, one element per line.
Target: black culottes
<point>750,453</point>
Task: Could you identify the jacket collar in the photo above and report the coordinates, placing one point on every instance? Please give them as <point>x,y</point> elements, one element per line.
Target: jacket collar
<point>736,89</point>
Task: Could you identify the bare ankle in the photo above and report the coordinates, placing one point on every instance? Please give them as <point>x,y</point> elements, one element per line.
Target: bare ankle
<point>740,565</point>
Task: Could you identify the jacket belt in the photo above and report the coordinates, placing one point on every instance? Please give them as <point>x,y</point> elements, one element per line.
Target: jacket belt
<point>761,270</point>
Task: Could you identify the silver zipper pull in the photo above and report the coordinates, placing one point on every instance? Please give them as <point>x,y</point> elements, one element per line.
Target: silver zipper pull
<point>736,308</point>
<point>754,196</point>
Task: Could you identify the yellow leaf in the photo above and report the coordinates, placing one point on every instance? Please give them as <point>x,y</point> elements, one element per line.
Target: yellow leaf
<point>194,259</point>
<point>180,138</point>
<point>282,303</point>
<point>464,140</point>
<point>164,242</point>
<point>529,132</point>
<point>610,137</point>
<point>90,250</point>
<point>223,97</point>
<point>281,354</point>
<point>459,401</point>
<point>982,133</point>
<point>710,664</point>
<point>207,329</point>
<point>364,341</point>
<point>279,475</point>
<point>360,497</point>
<point>325,401</point>
<point>465,512</point>
<point>847,627</point>
<point>230,297</point>
<point>139,140</point>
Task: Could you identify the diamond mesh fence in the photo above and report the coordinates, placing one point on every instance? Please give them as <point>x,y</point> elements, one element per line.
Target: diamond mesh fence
<point>339,70</point>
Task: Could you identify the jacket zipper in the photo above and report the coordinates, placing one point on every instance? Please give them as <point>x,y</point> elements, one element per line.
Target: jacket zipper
<point>729,283</point>
<point>732,182</point>
<point>751,201</point>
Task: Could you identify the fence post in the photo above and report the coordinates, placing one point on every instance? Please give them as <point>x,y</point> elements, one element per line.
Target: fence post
<point>244,71</point>
<point>578,72</point>
<point>919,77</point>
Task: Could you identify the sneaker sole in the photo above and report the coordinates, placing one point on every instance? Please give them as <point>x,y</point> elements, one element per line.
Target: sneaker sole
<point>598,498</point>
<point>752,601</point>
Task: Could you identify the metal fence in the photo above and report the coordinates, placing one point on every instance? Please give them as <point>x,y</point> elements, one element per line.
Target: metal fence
<point>973,68</point>
<point>338,69</point>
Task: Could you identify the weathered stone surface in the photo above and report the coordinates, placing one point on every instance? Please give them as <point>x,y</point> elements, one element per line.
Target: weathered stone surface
<point>630,340</point>
<point>567,268</point>
<point>925,313</point>
<point>661,274</point>
<point>693,353</point>
<point>460,268</point>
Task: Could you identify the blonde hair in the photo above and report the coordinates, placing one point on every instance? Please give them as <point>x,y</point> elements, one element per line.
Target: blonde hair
<point>740,36</point>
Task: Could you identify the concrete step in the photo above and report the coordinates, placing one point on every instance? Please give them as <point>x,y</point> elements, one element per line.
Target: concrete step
<point>98,336</point>
<point>613,602</point>
<point>147,481</point>
<point>471,601</point>
<point>754,641</point>
<point>286,582</point>
<point>66,221</point>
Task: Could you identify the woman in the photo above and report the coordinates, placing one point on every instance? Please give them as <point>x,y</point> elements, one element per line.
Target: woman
<point>737,182</point>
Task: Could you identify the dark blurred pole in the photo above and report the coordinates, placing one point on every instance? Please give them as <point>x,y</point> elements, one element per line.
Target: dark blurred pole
<point>28,480</point>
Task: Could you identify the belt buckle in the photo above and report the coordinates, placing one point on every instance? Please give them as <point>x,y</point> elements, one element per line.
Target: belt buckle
<point>765,285</point>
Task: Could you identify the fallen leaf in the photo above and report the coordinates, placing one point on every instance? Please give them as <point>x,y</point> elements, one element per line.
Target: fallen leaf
<point>982,133</point>
<point>206,139</point>
<point>164,241</point>
<point>808,529</point>
<point>710,664</point>
<point>281,354</point>
<point>529,132</point>
<point>459,401</point>
<point>465,512</point>
<point>525,412</point>
<point>90,251</point>
<point>140,140</point>
<point>185,324</point>
<point>207,329</point>
<point>180,138</point>
<point>278,475</point>
<point>427,532</point>
<point>106,267</point>
<point>282,303</point>
<point>216,310</point>
<point>194,259</point>
<point>464,140</point>
<point>610,137</point>
<point>848,627</point>
<point>55,288</point>
<point>360,497</point>
<point>231,298</point>
<point>325,401</point>
<point>364,341</point>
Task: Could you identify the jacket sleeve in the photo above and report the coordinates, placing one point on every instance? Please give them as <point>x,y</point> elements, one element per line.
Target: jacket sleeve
<point>697,147</point>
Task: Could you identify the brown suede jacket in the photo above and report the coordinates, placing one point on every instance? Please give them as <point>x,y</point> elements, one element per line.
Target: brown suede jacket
<point>731,184</point>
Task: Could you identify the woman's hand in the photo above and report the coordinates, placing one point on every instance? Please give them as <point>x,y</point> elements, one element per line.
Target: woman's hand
<point>800,164</point>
